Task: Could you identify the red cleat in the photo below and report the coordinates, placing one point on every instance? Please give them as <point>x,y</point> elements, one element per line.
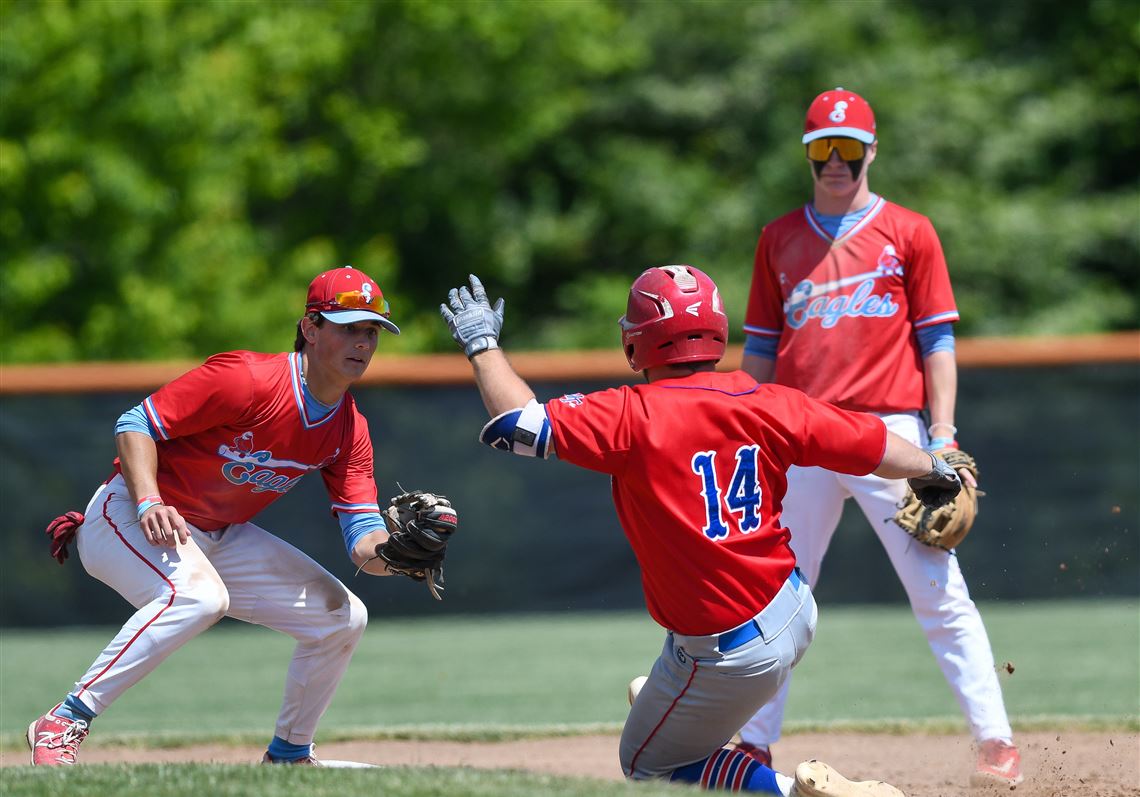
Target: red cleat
<point>756,752</point>
<point>998,762</point>
<point>54,740</point>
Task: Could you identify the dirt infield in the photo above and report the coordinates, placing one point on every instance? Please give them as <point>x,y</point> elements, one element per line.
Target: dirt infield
<point>1057,764</point>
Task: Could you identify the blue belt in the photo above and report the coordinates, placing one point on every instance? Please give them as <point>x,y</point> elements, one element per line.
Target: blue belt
<point>731,640</point>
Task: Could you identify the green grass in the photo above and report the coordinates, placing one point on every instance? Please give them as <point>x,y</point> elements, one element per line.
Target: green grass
<point>496,677</point>
<point>252,781</point>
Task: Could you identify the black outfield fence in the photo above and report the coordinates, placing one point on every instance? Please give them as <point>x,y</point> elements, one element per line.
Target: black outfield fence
<point>1059,449</point>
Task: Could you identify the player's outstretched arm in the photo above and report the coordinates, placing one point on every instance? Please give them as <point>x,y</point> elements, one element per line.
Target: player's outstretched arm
<point>475,326</point>
<point>902,459</point>
<point>500,386</point>
<point>933,481</point>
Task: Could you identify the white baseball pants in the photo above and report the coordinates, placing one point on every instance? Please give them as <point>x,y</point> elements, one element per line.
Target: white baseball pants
<point>931,577</point>
<point>242,572</point>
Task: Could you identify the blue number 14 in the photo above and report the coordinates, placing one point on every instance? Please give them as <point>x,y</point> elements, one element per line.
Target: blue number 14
<point>743,497</point>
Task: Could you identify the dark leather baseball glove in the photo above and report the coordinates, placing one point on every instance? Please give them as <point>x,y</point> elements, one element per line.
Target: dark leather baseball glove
<point>420,524</point>
<point>943,526</point>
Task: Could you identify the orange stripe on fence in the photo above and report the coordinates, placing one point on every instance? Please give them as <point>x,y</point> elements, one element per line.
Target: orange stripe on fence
<point>552,366</point>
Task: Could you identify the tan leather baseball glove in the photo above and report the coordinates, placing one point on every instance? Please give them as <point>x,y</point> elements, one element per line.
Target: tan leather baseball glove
<point>946,526</point>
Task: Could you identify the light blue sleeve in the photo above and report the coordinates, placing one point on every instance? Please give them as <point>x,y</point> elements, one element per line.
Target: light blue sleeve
<point>939,337</point>
<point>354,525</point>
<point>135,420</point>
<point>761,346</point>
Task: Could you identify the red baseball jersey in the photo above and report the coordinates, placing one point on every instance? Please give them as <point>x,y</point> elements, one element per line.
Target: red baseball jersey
<point>235,437</point>
<point>845,310</point>
<point>699,473</point>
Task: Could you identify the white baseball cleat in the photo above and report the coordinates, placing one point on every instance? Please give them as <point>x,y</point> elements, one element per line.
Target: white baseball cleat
<point>635,688</point>
<point>817,779</point>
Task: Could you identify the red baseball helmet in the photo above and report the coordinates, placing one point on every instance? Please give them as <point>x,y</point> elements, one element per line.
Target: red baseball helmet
<point>674,315</point>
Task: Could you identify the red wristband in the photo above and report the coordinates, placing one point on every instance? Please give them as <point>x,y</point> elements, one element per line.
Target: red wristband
<point>146,503</point>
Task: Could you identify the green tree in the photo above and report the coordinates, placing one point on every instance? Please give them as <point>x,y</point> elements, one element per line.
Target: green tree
<point>173,172</point>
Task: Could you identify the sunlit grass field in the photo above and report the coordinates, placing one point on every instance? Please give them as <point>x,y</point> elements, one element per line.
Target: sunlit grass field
<point>185,780</point>
<point>483,675</point>
<point>1060,663</point>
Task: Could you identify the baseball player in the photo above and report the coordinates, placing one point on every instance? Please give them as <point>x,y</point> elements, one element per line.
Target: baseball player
<point>851,303</point>
<point>697,460</point>
<point>170,531</point>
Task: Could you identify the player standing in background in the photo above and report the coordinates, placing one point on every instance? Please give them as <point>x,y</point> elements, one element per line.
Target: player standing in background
<point>851,303</point>
<point>697,460</point>
<point>170,531</point>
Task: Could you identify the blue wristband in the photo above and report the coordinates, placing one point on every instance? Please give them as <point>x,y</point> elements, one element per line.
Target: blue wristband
<point>939,443</point>
<point>147,503</point>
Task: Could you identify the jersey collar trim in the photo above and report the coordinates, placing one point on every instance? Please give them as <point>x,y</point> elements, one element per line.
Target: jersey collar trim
<point>307,419</point>
<point>817,228</point>
<point>712,389</point>
<point>712,381</point>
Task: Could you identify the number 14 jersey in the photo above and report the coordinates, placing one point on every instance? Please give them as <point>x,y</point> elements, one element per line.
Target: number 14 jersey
<point>699,470</point>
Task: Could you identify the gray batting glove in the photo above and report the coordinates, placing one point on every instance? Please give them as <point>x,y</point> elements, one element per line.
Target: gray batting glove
<point>939,487</point>
<point>473,322</point>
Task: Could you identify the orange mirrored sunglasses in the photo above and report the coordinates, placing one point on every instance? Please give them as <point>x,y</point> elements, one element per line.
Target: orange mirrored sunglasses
<point>849,149</point>
<point>354,300</point>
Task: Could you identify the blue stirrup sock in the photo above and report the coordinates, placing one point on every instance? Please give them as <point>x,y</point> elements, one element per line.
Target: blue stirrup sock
<point>730,770</point>
<point>73,708</point>
<point>285,751</point>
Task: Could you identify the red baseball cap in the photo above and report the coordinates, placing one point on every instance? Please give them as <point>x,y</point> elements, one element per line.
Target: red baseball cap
<point>839,113</point>
<point>347,295</point>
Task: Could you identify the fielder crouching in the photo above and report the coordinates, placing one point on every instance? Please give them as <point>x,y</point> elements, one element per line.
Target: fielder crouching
<point>698,462</point>
<point>170,530</point>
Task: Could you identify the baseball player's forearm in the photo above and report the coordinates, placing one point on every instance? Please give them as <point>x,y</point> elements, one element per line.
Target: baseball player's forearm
<point>903,460</point>
<point>941,371</point>
<point>364,553</point>
<point>162,525</point>
<point>138,458</point>
<point>762,369</point>
<point>501,388</point>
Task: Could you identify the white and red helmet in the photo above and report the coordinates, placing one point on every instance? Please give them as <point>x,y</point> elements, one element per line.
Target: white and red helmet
<point>674,315</point>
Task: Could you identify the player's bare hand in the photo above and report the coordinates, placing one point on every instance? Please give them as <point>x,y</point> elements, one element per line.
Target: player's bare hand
<point>164,527</point>
<point>967,478</point>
